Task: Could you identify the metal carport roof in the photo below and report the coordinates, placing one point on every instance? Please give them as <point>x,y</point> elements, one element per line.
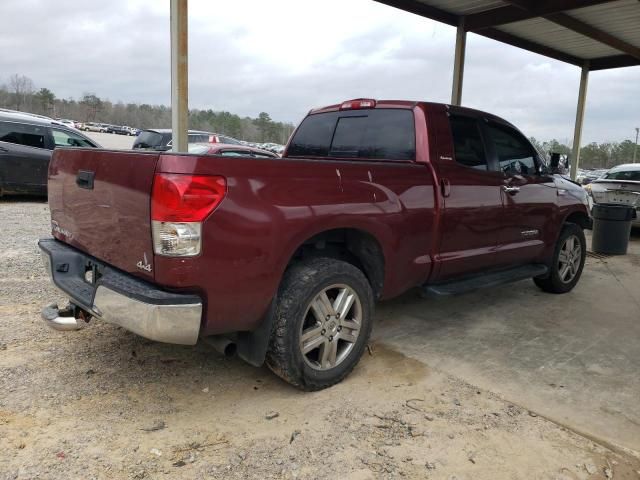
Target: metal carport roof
<point>591,34</point>
<point>605,32</point>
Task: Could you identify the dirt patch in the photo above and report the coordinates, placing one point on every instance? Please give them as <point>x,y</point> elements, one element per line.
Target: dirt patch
<point>103,403</point>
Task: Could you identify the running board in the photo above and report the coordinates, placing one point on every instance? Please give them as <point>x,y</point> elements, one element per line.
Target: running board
<point>485,280</point>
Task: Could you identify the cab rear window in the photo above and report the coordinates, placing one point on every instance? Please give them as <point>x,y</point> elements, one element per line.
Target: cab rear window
<point>387,134</point>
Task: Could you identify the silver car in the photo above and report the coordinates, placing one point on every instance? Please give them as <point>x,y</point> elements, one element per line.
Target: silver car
<point>619,185</point>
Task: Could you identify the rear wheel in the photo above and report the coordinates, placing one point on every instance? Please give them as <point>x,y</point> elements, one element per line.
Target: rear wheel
<point>567,263</point>
<point>323,323</point>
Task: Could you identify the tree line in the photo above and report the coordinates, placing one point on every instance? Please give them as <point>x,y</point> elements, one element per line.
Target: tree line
<point>19,93</point>
<point>593,155</point>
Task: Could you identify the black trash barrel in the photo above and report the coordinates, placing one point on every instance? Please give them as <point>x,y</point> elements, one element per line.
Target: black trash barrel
<point>611,228</point>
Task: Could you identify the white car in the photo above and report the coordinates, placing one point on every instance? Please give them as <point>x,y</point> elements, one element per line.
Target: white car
<point>94,127</point>
<point>67,122</point>
<point>619,185</point>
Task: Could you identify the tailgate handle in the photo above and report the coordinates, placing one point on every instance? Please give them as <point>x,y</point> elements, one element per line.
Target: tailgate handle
<point>85,179</point>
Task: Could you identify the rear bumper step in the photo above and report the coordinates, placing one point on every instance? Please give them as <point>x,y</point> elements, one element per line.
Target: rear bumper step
<point>118,298</point>
<point>485,280</point>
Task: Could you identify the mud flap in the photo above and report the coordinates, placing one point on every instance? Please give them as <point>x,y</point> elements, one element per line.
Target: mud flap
<point>252,346</point>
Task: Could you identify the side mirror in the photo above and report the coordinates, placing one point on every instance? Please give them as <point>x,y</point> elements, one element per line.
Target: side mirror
<point>556,166</point>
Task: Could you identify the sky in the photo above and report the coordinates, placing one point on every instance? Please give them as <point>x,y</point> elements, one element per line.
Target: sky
<point>287,56</point>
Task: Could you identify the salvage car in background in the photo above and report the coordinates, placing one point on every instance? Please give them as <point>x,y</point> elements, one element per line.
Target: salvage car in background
<point>159,139</point>
<point>94,127</point>
<point>619,185</point>
<point>229,150</point>
<point>26,143</point>
<point>67,122</point>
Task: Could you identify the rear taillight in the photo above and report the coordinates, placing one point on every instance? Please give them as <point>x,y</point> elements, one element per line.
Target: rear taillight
<point>179,205</point>
<point>358,104</point>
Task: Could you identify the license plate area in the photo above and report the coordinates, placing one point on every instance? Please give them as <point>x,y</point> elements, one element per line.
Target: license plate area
<point>624,198</point>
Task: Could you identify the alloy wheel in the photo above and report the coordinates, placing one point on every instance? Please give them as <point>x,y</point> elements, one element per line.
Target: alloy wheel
<point>569,259</point>
<point>331,327</point>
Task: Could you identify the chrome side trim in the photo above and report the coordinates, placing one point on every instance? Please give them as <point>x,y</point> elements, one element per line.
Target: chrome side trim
<point>179,324</point>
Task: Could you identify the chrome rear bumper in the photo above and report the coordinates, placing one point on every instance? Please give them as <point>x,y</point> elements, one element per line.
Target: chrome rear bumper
<point>118,298</point>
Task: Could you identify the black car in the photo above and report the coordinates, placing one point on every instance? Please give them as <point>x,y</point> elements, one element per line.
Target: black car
<point>26,144</point>
<point>117,129</point>
<point>160,138</point>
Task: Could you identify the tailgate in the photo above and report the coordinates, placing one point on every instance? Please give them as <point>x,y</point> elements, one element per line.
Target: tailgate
<point>100,204</point>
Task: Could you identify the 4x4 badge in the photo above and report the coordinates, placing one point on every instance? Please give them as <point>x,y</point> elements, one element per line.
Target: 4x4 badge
<point>144,265</point>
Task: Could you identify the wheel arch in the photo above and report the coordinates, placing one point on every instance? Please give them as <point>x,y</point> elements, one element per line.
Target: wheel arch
<point>356,246</point>
<point>353,245</point>
<point>580,218</point>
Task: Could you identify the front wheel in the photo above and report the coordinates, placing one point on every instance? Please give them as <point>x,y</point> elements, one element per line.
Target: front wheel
<point>323,323</point>
<point>567,263</point>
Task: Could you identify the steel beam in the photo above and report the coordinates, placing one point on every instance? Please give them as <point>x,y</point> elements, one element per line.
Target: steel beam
<point>577,133</point>
<point>534,47</point>
<point>615,61</point>
<point>520,11</point>
<point>424,10</point>
<point>594,33</point>
<point>458,65</point>
<point>179,75</point>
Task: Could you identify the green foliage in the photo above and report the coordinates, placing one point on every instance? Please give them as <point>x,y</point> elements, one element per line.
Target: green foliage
<point>45,99</point>
<point>592,155</point>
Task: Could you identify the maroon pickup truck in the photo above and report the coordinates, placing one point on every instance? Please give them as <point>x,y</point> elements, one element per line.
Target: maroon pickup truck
<point>282,259</point>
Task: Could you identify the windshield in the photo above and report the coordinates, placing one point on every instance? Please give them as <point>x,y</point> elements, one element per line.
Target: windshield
<point>148,139</point>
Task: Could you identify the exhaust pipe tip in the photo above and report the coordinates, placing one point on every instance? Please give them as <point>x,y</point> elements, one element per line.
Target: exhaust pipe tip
<point>222,345</point>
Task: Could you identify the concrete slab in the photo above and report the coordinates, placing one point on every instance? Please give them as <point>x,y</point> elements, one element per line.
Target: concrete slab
<point>573,358</point>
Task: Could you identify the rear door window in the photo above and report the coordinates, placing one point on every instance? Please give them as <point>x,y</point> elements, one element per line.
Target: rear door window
<point>23,134</point>
<point>375,134</point>
<point>62,138</point>
<point>467,142</point>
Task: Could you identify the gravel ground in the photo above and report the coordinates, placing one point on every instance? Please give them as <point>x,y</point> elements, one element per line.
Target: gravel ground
<point>102,403</point>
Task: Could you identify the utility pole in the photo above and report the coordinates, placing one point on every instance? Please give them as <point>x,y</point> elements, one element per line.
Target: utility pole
<point>458,64</point>
<point>635,149</point>
<point>577,135</point>
<point>179,75</point>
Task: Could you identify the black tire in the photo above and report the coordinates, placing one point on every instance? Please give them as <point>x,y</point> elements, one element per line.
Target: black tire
<point>553,283</point>
<point>302,283</point>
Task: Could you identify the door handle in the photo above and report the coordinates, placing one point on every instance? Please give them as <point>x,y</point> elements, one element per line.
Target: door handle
<point>510,190</point>
<point>3,150</point>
